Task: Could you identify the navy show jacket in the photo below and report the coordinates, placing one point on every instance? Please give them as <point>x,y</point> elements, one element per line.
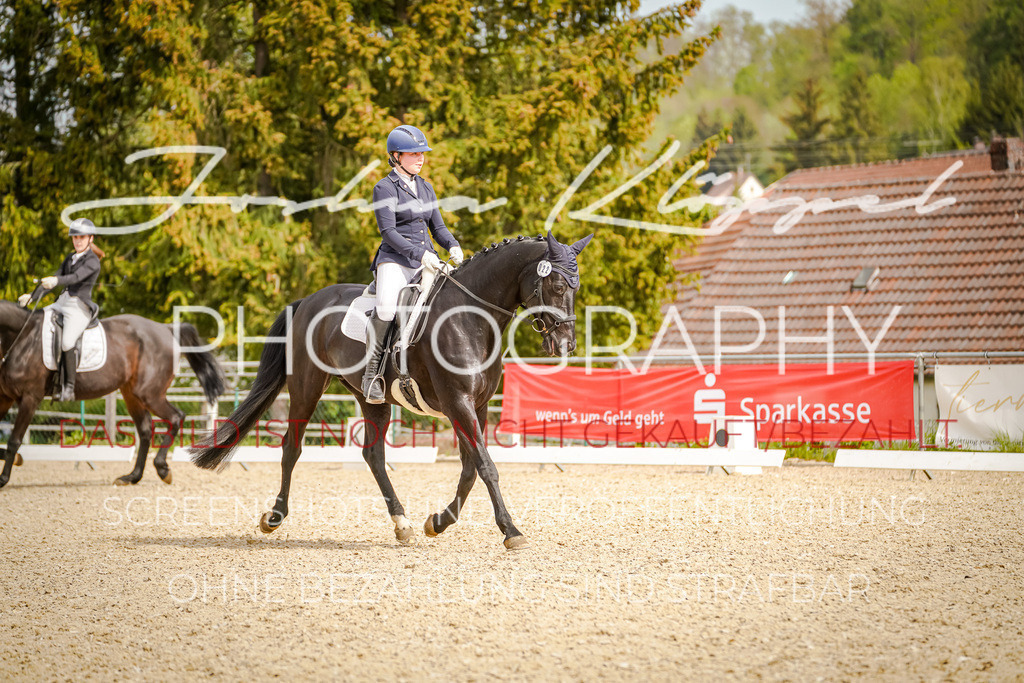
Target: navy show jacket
<point>404,220</point>
<point>77,277</point>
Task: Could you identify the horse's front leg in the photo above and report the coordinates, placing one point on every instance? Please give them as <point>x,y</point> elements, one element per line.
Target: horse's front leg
<point>5,406</point>
<point>469,430</point>
<point>26,410</point>
<point>436,524</point>
<point>378,415</point>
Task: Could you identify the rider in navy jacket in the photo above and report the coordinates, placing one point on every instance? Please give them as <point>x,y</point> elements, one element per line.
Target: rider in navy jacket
<point>404,218</point>
<point>77,274</point>
<point>405,206</point>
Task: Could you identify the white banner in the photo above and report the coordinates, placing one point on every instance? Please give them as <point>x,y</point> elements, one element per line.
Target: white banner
<point>979,403</point>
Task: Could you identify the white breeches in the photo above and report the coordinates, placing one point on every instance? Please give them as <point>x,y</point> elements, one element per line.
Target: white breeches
<point>391,277</point>
<point>76,317</point>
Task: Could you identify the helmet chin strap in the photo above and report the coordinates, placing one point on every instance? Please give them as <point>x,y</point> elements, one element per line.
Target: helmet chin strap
<point>396,162</point>
<point>88,245</point>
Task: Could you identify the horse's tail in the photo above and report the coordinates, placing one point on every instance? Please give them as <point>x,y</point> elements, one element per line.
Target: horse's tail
<point>215,448</point>
<point>206,367</point>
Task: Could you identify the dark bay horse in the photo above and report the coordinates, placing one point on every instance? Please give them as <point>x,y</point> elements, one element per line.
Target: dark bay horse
<point>141,362</point>
<point>468,316</point>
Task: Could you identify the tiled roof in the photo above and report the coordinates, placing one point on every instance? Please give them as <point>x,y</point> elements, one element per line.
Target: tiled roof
<point>957,273</point>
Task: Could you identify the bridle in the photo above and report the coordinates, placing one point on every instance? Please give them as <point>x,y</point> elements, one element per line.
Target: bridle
<point>544,269</point>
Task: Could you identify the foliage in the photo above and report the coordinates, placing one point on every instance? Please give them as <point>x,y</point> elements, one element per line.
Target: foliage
<point>516,100</point>
<point>894,78</point>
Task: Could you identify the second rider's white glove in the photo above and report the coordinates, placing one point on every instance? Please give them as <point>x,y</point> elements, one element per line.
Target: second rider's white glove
<point>49,282</point>
<point>457,255</point>
<point>23,300</point>
<point>431,262</point>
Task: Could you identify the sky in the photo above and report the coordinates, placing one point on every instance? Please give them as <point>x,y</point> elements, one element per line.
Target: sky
<point>765,11</point>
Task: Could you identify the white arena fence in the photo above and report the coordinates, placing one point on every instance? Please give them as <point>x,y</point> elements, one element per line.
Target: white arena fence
<point>110,435</point>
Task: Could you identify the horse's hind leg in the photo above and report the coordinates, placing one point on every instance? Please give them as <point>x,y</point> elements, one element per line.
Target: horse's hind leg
<point>435,524</point>
<point>26,410</point>
<point>144,427</point>
<point>304,398</point>
<point>174,417</point>
<point>373,454</point>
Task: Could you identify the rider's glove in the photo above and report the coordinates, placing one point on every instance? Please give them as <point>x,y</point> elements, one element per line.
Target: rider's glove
<point>457,255</point>
<point>431,262</point>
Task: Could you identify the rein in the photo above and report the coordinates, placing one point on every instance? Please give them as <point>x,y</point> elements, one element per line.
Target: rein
<point>446,276</point>
<point>538,294</point>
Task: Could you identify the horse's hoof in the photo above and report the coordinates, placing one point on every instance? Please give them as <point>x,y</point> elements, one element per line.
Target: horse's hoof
<point>404,535</point>
<point>265,523</point>
<point>516,543</point>
<point>428,526</point>
<point>126,480</point>
<point>166,477</point>
<point>18,462</point>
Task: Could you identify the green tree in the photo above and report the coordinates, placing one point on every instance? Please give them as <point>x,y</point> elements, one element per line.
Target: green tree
<point>996,106</point>
<point>857,129</point>
<point>996,103</point>
<point>808,145</point>
<point>516,100</point>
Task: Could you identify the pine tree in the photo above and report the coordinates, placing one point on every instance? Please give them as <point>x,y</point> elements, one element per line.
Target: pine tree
<point>857,129</point>
<point>808,124</point>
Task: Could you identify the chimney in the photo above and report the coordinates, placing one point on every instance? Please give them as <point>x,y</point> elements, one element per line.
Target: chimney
<point>1007,154</point>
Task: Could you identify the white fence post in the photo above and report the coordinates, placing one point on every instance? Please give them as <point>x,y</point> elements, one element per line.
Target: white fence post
<point>110,413</point>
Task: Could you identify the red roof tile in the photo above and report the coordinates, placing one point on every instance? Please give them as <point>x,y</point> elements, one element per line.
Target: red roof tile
<point>957,273</point>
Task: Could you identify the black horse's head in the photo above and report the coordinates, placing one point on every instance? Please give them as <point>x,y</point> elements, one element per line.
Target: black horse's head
<point>550,293</point>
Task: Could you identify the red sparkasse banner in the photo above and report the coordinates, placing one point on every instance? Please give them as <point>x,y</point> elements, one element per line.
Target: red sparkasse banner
<point>677,404</point>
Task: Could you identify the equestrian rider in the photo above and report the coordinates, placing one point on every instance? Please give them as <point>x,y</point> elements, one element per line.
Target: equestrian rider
<point>406,208</point>
<point>77,274</point>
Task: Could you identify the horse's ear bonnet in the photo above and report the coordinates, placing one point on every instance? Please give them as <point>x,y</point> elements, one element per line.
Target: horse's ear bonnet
<point>563,258</point>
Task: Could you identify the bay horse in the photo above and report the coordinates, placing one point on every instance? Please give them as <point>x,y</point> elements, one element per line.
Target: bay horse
<point>141,362</point>
<point>470,310</point>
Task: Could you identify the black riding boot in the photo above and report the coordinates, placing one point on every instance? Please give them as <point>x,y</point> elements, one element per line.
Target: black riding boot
<point>373,386</point>
<point>70,369</point>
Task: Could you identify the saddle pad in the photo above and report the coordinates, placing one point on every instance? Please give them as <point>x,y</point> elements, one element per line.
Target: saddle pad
<point>353,325</point>
<point>94,345</point>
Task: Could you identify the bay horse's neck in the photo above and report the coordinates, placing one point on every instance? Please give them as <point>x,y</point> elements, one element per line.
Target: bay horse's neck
<point>494,274</point>
<point>12,319</point>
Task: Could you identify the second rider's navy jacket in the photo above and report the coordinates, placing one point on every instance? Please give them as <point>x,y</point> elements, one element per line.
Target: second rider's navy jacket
<point>404,220</point>
<point>77,277</point>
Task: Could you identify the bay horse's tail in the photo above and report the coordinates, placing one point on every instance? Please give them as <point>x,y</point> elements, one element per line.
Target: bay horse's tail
<point>207,370</point>
<point>215,448</point>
